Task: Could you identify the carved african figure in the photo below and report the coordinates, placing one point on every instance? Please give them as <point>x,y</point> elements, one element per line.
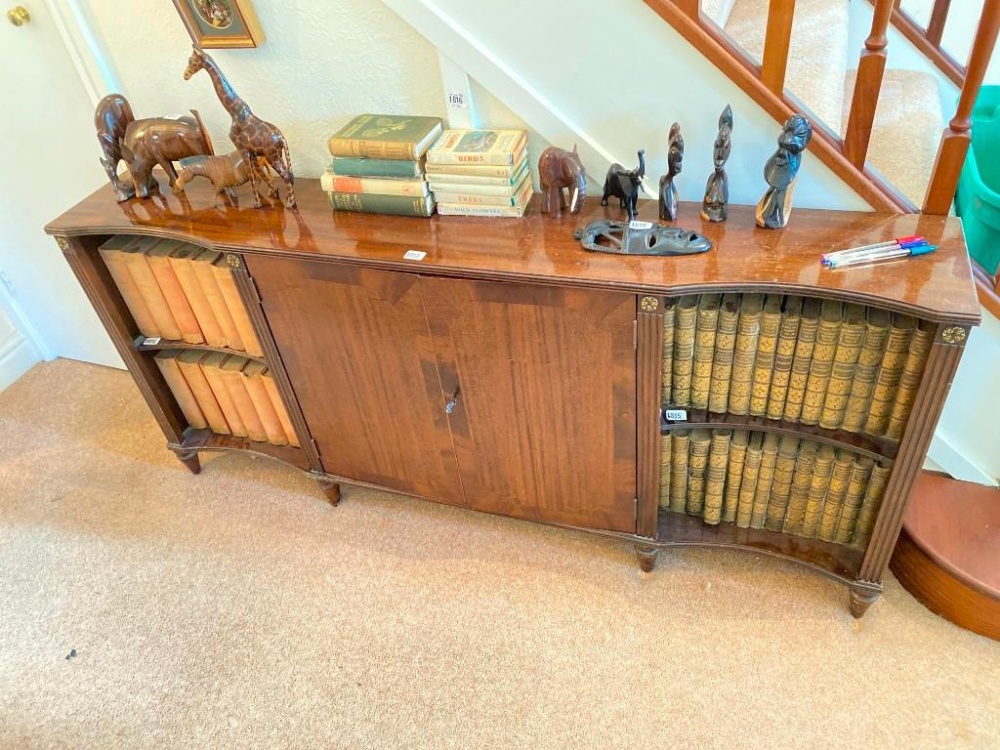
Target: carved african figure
<point>255,138</point>
<point>142,144</point>
<point>625,184</point>
<point>675,162</point>
<point>714,206</point>
<point>558,169</point>
<point>224,172</point>
<point>780,172</point>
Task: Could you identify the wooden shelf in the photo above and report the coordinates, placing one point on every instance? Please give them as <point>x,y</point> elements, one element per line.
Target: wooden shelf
<point>836,560</point>
<point>879,448</point>
<point>206,440</point>
<point>141,346</point>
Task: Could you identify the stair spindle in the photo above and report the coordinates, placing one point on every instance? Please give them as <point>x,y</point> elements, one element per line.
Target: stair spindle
<point>935,27</point>
<point>779,34</point>
<point>867,87</point>
<point>957,136</point>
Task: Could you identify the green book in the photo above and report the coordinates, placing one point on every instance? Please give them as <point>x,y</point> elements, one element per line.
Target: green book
<point>399,205</point>
<point>403,137</point>
<point>357,166</point>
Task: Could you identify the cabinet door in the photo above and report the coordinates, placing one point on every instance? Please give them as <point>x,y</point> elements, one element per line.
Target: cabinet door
<point>356,346</point>
<point>544,418</point>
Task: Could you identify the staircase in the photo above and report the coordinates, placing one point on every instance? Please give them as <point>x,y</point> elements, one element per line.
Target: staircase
<point>875,126</point>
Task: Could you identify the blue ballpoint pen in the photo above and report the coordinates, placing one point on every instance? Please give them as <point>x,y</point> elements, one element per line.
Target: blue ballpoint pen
<point>886,253</point>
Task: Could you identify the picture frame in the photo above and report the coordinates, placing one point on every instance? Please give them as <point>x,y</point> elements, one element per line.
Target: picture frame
<point>221,24</point>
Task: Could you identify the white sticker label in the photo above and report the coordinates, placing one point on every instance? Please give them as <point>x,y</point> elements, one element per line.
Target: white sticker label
<point>677,415</point>
<point>457,100</point>
<point>636,224</point>
<point>151,341</point>
<point>414,255</point>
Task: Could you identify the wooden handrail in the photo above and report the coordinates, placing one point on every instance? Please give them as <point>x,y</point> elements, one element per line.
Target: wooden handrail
<point>733,63</point>
<point>776,42</point>
<point>957,137</point>
<point>867,87</point>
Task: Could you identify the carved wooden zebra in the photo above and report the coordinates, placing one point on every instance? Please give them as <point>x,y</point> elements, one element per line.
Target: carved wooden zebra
<point>224,172</point>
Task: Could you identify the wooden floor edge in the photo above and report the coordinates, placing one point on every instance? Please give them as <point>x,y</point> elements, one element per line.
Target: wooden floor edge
<point>943,593</point>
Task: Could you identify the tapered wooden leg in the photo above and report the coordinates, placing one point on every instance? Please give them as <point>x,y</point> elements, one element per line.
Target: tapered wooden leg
<point>331,489</point>
<point>862,599</point>
<point>189,459</point>
<point>647,556</point>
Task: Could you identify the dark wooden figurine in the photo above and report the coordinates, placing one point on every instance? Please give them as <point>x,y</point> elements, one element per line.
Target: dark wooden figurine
<point>780,172</point>
<point>224,172</point>
<point>142,144</point>
<point>258,141</point>
<point>625,184</point>
<point>558,169</point>
<point>675,162</point>
<point>713,208</point>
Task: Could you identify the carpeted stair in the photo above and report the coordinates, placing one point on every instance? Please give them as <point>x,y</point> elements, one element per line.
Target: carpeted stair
<point>821,74</point>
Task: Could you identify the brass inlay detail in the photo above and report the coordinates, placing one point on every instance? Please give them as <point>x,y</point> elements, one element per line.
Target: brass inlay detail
<point>233,260</point>
<point>649,304</point>
<point>63,243</point>
<point>953,335</point>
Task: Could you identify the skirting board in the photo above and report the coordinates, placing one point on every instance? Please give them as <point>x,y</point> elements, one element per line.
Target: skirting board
<point>17,356</point>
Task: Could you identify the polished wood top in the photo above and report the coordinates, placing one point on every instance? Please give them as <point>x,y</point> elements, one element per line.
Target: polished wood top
<point>538,247</point>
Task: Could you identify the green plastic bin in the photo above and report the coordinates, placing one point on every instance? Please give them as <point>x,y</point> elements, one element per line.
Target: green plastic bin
<point>978,198</point>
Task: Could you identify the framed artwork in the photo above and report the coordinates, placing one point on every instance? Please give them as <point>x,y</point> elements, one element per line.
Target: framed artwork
<point>218,24</point>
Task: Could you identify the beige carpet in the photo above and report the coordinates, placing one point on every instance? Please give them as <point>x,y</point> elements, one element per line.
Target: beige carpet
<point>237,609</point>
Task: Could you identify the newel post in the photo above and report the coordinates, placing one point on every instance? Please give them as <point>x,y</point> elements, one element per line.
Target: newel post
<point>957,136</point>
<point>867,87</point>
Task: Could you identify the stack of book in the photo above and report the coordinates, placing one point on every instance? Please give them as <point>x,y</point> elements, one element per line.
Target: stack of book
<point>378,165</point>
<point>180,292</point>
<point>229,394</point>
<point>480,173</point>
<point>759,480</point>
<point>817,362</point>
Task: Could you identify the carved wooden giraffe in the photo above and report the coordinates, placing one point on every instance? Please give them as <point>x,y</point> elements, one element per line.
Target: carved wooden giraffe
<point>262,145</point>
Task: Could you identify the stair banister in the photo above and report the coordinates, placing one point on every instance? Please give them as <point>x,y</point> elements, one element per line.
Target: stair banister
<point>692,8</point>
<point>868,86</point>
<point>935,27</point>
<point>776,43</point>
<point>957,137</point>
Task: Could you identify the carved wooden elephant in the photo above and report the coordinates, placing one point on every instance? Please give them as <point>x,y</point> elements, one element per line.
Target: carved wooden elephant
<point>558,169</point>
<point>162,140</point>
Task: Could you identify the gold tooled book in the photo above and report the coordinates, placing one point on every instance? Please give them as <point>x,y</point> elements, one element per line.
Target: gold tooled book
<point>783,354</point>
<point>869,359</point>
<point>111,253</point>
<point>870,506</point>
<point>718,458</point>
<point>701,443</point>
<point>204,270</point>
<point>821,364</point>
<point>819,485</point>
<point>798,496</point>
<point>403,137</point>
<point>840,476</point>
<point>134,256</point>
<point>734,475</point>
<point>767,344</point>
<point>747,334</point>
<point>749,481</point>
<point>765,481</point>
<point>234,304</point>
<point>684,322</point>
<point>887,382</point>
<point>679,470</point>
<point>804,346</point>
<point>669,305</point>
<point>781,485</point>
<point>909,381</point>
<point>183,264</point>
<point>722,360</point>
<point>849,342</point>
<point>158,257</point>
<point>856,486</point>
<point>704,349</point>
<point>665,462</point>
